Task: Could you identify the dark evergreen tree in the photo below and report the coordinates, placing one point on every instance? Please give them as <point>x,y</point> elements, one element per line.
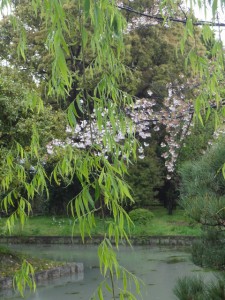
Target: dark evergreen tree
<point>146,177</point>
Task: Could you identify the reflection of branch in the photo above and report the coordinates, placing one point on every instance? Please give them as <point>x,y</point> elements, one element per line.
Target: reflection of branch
<point>161,19</point>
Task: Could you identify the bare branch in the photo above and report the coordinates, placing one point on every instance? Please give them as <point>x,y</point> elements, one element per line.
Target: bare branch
<point>163,19</point>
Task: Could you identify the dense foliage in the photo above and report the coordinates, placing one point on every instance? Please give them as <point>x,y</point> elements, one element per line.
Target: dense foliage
<point>147,75</point>
<point>203,185</point>
<point>141,216</point>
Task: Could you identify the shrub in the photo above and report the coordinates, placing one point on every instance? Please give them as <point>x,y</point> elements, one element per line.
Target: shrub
<point>190,288</point>
<point>197,141</point>
<point>203,186</point>
<point>194,288</point>
<point>141,215</point>
<point>216,290</point>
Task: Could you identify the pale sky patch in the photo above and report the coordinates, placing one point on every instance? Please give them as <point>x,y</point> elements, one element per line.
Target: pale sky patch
<point>203,14</point>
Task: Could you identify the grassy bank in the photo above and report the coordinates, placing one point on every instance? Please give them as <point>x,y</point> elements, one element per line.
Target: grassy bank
<point>161,224</point>
<point>11,261</point>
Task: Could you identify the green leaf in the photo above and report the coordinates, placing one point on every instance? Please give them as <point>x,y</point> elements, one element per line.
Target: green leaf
<point>87,5</point>
<point>190,28</point>
<point>97,190</point>
<point>61,64</point>
<point>108,288</point>
<point>71,115</point>
<point>78,101</point>
<point>100,294</point>
<point>124,281</point>
<point>84,37</point>
<point>214,7</point>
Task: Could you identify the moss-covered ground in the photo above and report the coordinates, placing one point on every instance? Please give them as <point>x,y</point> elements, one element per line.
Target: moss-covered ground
<point>11,261</point>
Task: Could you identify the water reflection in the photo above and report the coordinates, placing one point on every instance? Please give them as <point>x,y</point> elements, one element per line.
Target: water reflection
<point>158,267</point>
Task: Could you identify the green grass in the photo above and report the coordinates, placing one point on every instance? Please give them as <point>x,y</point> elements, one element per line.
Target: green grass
<point>164,224</point>
<point>161,224</point>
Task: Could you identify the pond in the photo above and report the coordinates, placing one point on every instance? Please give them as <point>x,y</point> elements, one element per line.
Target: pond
<point>159,268</point>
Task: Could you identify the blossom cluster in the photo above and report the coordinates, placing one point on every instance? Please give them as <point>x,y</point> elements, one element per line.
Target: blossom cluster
<point>174,116</point>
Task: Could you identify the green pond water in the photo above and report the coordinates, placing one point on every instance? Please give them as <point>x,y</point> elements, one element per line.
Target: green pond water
<point>158,268</point>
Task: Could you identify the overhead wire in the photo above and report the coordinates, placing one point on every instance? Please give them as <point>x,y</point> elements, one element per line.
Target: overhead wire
<point>163,19</point>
